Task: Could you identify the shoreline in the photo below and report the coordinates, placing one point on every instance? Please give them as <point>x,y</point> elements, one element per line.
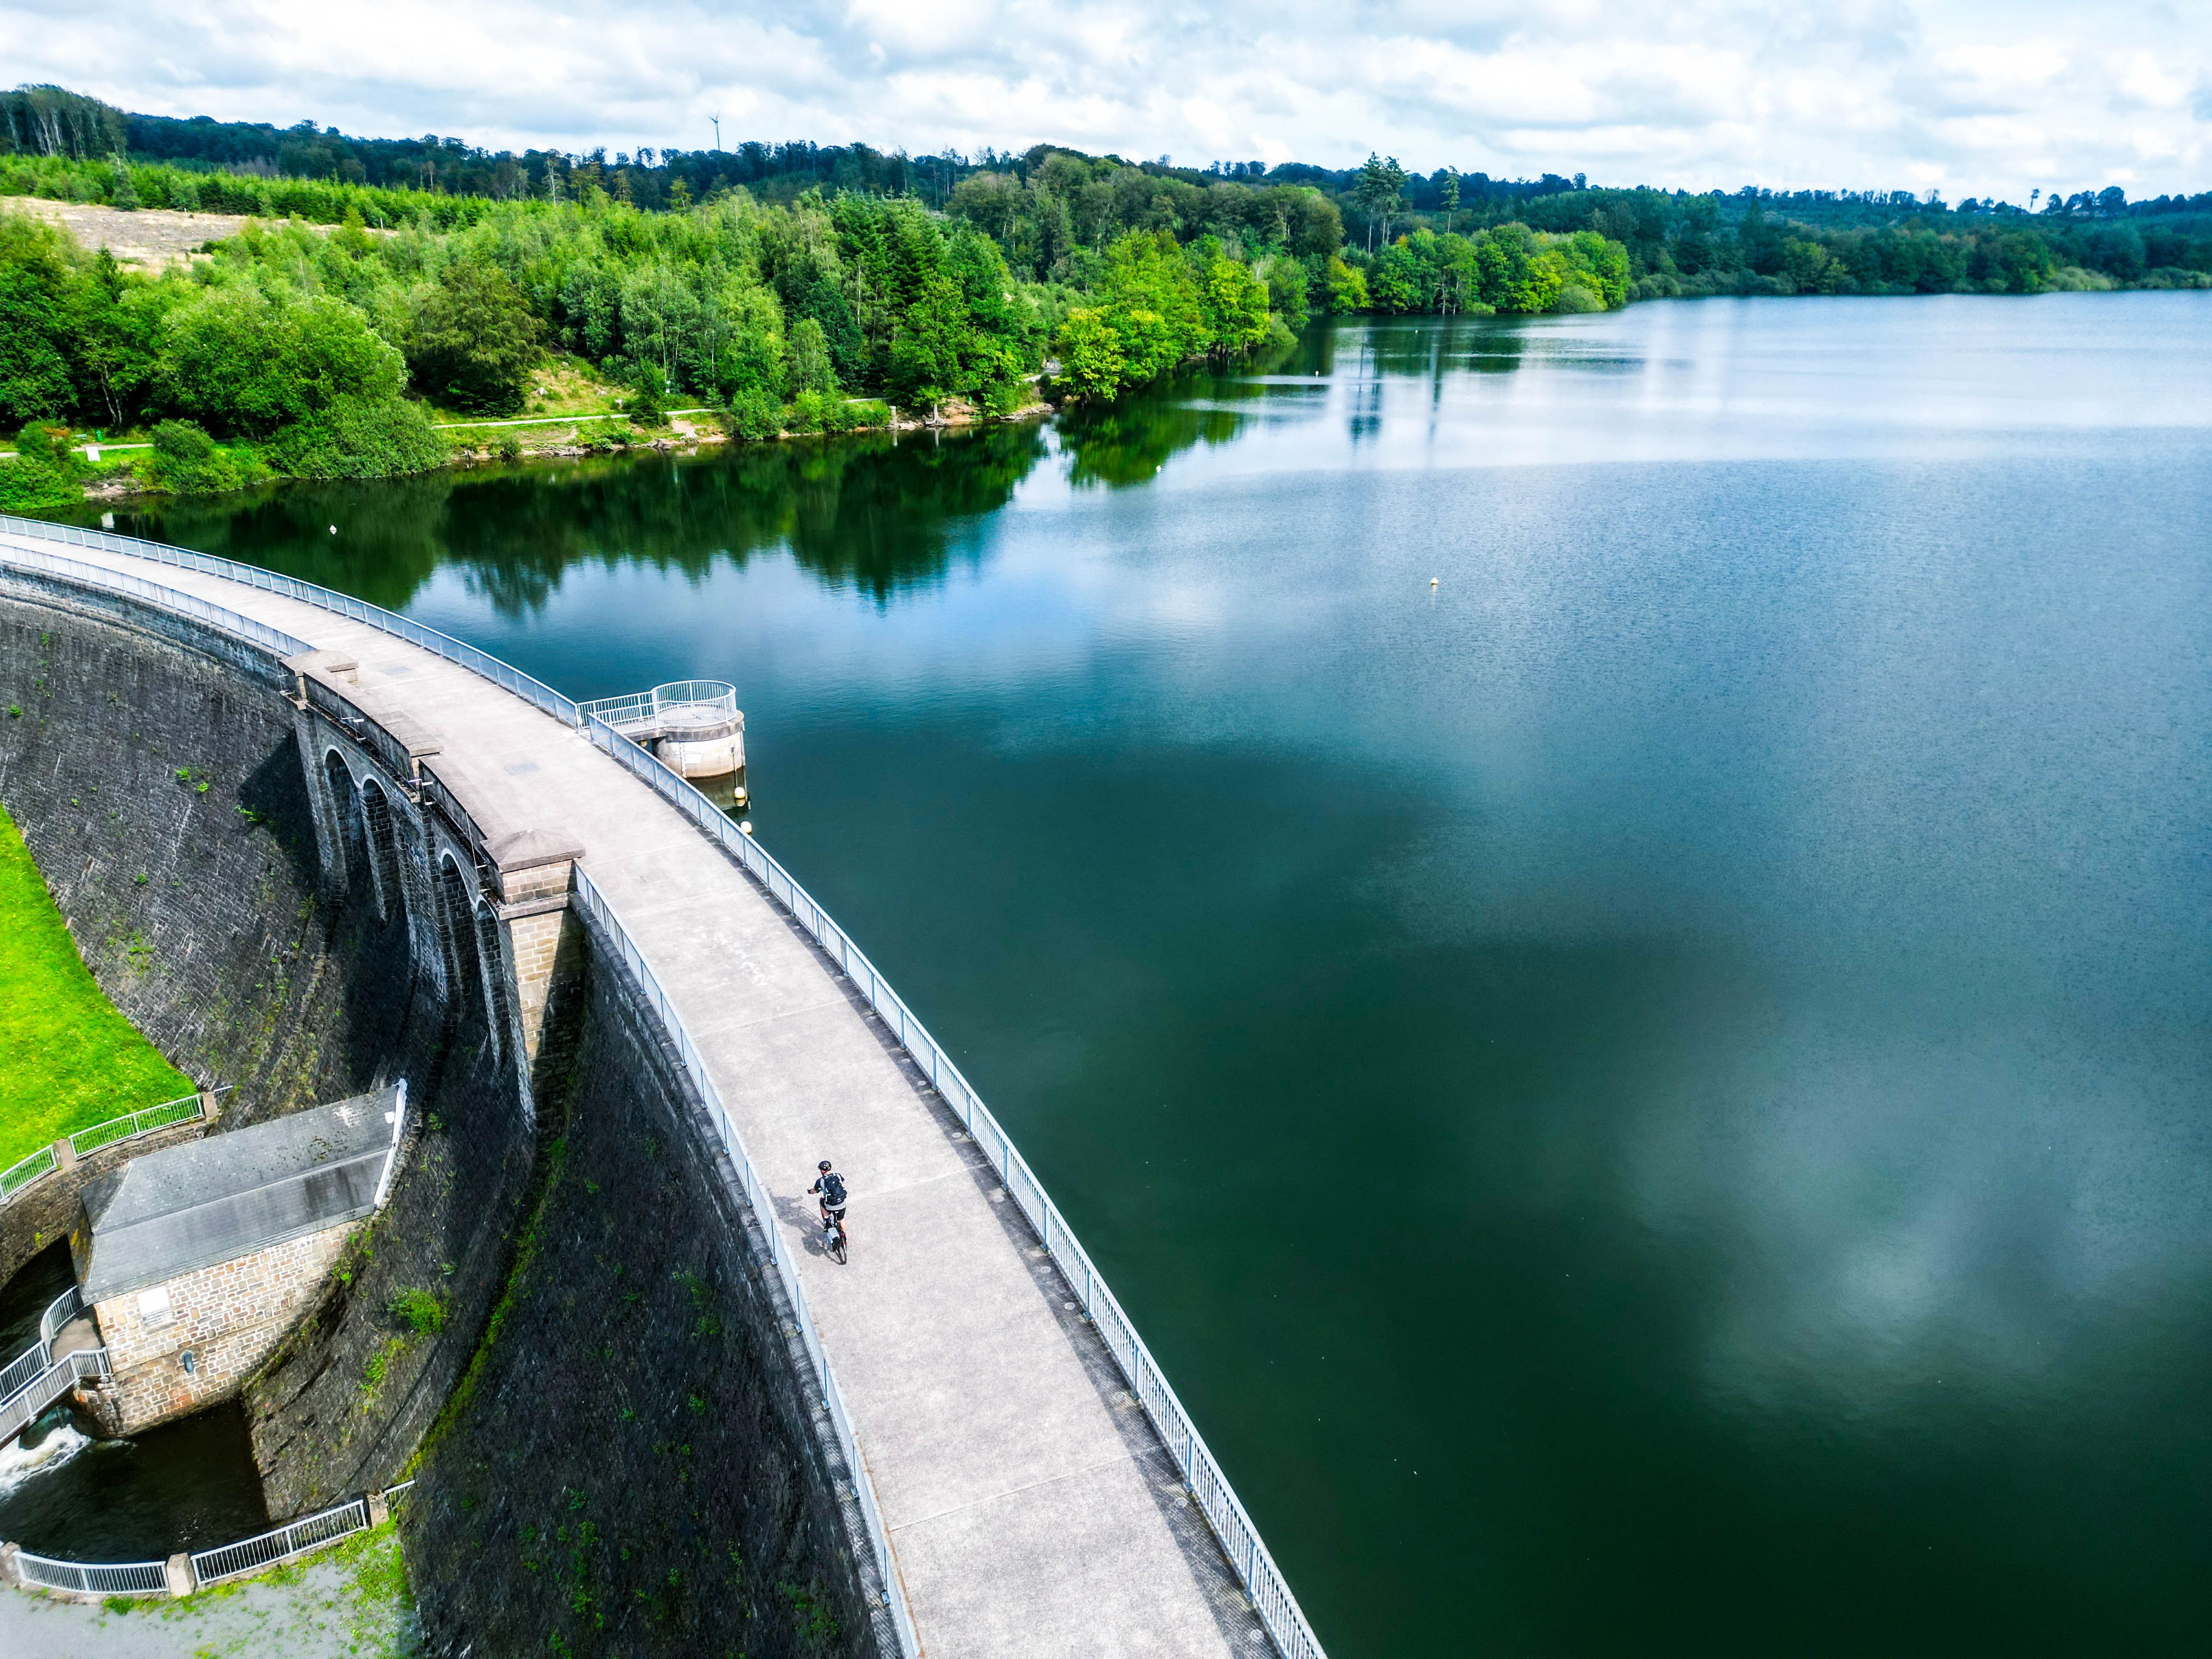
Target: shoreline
<point>123,487</point>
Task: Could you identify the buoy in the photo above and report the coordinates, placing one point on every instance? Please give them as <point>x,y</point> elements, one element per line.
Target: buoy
<point>334,530</point>
<point>745,825</point>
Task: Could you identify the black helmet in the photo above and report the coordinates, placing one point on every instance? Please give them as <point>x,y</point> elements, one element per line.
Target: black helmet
<point>824,1164</point>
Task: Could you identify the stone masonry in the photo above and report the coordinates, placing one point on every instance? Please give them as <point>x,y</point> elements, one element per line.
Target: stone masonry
<point>229,1317</point>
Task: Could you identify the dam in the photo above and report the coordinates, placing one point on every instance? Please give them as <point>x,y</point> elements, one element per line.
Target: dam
<point>988,1460</point>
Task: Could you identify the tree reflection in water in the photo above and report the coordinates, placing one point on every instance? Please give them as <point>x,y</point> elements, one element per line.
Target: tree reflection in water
<point>871,513</point>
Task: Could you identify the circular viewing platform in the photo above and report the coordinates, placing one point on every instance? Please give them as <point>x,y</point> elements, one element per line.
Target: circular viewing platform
<point>694,726</point>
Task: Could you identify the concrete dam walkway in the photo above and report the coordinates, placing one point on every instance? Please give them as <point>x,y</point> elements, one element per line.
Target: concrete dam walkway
<point>1031,1506</point>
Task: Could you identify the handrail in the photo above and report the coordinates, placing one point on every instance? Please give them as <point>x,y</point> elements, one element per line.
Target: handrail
<point>281,1543</point>
<point>27,1171</point>
<point>33,1363</point>
<point>19,1176</point>
<point>59,1311</point>
<point>167,599</point>
<point>23,1370</point>
<point>143,1121</point>
<point>1272,1600</point>
<point>502,674</point>
<point>23,1408</point>
<point>1277,1608</point>
<point>95,1578</point>
<point>248,1555</point>
<point>762,1206</point>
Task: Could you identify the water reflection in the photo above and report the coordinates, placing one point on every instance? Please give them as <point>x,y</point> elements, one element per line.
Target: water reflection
<point>874,514</point>
<point>1756,900</point>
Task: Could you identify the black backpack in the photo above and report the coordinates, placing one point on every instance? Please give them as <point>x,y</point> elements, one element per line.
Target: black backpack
<point>833,1191</point>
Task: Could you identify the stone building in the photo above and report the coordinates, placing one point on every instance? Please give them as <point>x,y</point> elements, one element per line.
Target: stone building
<point>196,1260</point>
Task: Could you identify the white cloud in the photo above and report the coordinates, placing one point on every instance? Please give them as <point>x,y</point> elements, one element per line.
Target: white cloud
<point>1971,96</point>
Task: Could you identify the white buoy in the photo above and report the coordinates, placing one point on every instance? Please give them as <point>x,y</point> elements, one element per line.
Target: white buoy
<point>334,530</point>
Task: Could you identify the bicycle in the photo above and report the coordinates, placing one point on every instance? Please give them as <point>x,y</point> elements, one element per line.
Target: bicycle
<point>833,1234</point>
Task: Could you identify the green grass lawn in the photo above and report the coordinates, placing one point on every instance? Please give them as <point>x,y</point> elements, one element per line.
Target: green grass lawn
<point>68,1060</point>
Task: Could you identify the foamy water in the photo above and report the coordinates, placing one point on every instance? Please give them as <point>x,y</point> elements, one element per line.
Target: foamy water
<point>20,1463</point>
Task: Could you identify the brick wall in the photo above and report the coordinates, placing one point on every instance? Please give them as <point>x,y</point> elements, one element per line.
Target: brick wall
<point>229,1317</point>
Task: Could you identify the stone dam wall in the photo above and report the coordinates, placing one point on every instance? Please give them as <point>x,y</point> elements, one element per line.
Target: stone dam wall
<point>615,1450</point>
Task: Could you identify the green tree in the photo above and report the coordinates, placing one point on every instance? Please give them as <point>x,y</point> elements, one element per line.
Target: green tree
<point>1089,347</point>
<point>47,472</point>
<point>189,462</point>
<point>812,369</point>
<point>473,341</point>
<point>1232,302</point>
<point>359,437</point>
<point>1379,190</point>
<point>648,397</point>
<point>37,284</point>
<point>1347,289</point>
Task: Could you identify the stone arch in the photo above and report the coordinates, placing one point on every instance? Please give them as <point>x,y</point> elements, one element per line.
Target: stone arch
<point>352,830</point>
<point>494,976</point>
<point>383,837</point>
<point>467,966</point>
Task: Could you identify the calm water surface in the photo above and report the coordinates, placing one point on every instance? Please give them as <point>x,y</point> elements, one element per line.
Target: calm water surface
<point>1652,1095</point>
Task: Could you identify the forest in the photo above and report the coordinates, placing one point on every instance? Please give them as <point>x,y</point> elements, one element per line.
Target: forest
<point>796,287</point>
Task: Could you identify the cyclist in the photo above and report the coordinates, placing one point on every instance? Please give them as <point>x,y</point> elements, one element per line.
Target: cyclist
<point>830,1190</point>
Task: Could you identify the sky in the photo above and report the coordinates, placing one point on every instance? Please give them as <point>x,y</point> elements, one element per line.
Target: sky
<point>1983,97</point>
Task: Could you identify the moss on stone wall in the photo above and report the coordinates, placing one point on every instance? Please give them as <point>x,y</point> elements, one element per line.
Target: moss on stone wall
<point>630,1467</point>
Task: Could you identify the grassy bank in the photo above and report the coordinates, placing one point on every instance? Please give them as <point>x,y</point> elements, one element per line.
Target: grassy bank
<point>68,1059</point>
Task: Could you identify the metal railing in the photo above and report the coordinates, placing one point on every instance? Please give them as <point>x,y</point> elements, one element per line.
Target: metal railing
<point>634,709</point>
<point>22,1173</point>
<point>131,1126</point>
<point>310,1532</point>
<point>59,1311</point>
<point>20,1409</point>
<point>680,703</point>
<point>1248,1552</point>
<point>21,1372</point>
<point>28,1172</point>
<point>345,605</point>
<point>763,1208</point>
<point>92,1578</point>
<point>274,640</point>
<point>182,1109</point>
<point>31,1365</point>
<point>250,1555</point>
<point>1277,1608</point>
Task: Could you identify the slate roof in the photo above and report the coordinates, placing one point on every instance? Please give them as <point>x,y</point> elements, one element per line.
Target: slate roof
<point>229,1195</point>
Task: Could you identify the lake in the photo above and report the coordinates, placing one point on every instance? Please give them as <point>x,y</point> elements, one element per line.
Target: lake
<point>1601,922</point>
